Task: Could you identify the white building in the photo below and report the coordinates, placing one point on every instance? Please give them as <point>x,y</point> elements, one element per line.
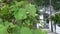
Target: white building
<point>57,27</point>
<point>53,13</point>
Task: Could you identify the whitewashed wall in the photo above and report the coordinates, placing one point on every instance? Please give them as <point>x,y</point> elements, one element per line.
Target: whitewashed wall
<point>57,28</point>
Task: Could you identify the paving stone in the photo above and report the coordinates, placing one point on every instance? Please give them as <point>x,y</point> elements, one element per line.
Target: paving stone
<point>48,31</point>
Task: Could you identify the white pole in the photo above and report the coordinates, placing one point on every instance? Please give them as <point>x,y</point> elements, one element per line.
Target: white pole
<point>50,16</point>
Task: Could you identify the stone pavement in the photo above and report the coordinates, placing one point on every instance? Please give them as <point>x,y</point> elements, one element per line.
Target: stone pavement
<point>48,31</point>
<point>52,33</point>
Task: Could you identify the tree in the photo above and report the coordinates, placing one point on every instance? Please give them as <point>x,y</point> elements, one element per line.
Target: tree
<point>56,19</point>
<point>55,3</point>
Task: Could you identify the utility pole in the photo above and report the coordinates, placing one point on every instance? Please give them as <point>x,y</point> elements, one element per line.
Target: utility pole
<point>50,16</point>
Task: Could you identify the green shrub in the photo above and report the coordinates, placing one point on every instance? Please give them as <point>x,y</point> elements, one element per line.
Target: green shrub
<point>16,30</point>
<point>44,32</point>
<point>37,31</point>
<point>3,29</point>
<point>23,13</point>
<point>1,22</point>
<point>1,1</point>
<point>25,30</point>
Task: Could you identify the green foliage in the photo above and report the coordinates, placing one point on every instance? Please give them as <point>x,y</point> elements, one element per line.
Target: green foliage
<point>21,14</point>
<point>37,31</point>
<point>55,3</point>
<point>3,29</point>
<point>17,11</point>
<point>8,24</point>
<point>31,9</point>
<point>5,10</point>
<point>56,18</point>
<point>22,4</point>
<point>25,14</point>
<point>44,32</point>
<point>8,27</point>
<point>38,2</point>
<point>16,30</point>
<point>1,1</point>
<point>1,21</point>
<point>25,30</point>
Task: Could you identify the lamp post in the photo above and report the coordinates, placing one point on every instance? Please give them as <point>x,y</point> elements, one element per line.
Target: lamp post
<point>50,16</point>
